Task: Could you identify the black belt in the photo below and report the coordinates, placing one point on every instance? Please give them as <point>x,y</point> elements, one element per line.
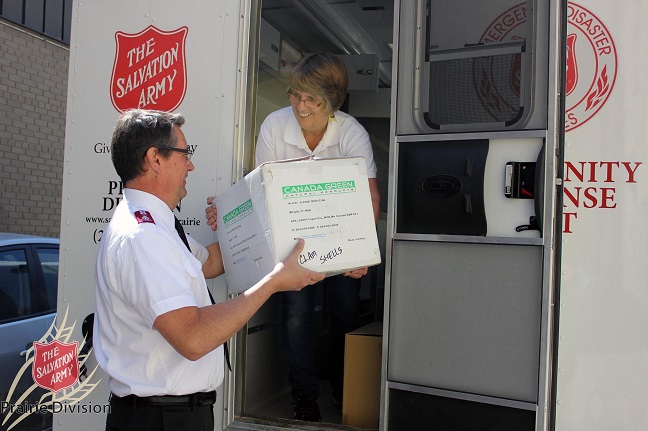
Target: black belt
<point>197,399</point>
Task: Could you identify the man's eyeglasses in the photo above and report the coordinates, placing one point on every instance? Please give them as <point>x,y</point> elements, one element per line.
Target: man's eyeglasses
<point>309,102</point>
<point>187,152</point>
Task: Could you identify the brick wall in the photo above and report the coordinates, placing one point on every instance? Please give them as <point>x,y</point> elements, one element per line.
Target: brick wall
<point>33,92</point>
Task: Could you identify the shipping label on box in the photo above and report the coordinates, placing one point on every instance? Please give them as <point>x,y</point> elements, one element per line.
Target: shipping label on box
<point>324,201</point>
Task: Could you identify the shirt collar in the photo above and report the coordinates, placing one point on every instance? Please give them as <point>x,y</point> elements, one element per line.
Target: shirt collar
<point>293,134</point>
<point>138,199</point>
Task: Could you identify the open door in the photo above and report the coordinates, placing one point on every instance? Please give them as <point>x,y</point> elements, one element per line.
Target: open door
<point>360,33</point>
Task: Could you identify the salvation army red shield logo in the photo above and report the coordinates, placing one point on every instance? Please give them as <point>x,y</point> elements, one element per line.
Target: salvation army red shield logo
<point>56,365</point>
<point>149,71</point>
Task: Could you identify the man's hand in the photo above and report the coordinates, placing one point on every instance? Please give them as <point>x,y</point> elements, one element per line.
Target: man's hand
<point>290,275</point>
<point>211,213</point>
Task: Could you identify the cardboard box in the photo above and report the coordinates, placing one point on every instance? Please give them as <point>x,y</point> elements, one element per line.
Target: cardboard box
<point>362,366</point>
<point>324,201</point>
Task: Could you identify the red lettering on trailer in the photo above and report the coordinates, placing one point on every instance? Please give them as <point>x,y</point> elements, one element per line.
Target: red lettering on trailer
<point>608,172</point>
<point>587,194</point>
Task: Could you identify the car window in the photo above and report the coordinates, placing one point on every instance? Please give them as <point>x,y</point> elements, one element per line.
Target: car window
<point>49,259</point>
<point>15,299</point>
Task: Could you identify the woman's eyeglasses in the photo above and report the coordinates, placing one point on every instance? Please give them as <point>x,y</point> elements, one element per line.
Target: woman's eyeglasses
<point>309,102</point>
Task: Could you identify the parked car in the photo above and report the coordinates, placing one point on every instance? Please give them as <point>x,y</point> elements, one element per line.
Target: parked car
<point>28,288</point>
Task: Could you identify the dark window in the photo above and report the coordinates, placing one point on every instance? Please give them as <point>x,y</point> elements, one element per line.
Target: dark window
<point>67,20</point>
<point>15,298</point>
<point>49,259</point>
<point>54,18</point>
<point>34,11</point>
<point>13,10</point>
<point>477,77</point>
<point>50,17</point>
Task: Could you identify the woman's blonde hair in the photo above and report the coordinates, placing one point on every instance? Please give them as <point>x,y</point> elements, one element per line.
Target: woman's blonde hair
<point>321,75</point>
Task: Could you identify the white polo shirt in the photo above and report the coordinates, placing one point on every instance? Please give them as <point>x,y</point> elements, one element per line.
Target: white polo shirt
<point>281,138</point>
<point>143,270</point>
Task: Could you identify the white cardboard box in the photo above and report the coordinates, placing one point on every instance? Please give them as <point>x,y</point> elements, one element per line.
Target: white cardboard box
<point>324,201</point>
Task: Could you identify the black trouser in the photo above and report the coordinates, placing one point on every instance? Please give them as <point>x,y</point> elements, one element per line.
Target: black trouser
<point>168,413</point>
<point>343,294</point>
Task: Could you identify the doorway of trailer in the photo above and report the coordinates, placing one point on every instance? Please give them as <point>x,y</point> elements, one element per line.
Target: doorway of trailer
<point>360,33</point>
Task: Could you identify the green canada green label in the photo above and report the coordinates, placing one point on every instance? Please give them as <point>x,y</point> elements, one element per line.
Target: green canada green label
<point>238,213</point>
<point>318,188</point>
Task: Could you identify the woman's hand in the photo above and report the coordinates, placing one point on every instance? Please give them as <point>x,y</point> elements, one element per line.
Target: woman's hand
<point>357,273</point>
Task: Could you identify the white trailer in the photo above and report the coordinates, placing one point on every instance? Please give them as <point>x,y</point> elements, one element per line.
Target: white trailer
<point>511,140</point>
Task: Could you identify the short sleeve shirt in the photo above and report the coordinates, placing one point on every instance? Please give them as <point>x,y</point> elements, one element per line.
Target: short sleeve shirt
<point>144,270</point>
<point>281,138</point>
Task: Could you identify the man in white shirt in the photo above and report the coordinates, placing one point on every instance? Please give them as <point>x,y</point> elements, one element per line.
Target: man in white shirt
<point>157,334</point>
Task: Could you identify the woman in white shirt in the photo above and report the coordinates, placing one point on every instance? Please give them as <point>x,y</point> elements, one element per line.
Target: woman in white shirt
<point>313,125</point>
